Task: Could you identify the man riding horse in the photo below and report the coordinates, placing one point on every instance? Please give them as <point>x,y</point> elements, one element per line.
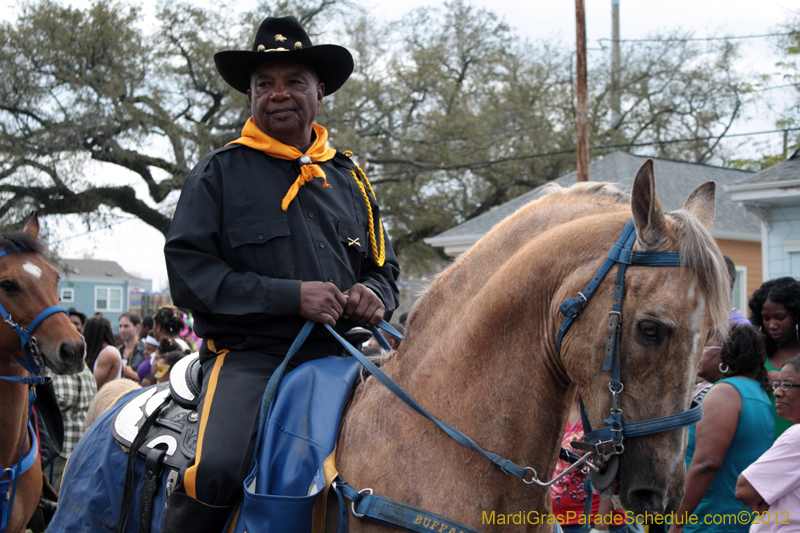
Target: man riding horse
<point>258,246</point>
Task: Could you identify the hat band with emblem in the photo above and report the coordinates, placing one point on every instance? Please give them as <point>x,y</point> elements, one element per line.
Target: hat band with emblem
<point>285,38</point>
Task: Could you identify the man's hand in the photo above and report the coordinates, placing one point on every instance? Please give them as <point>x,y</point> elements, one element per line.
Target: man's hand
<point>363,306</point>
<point>321,302</point>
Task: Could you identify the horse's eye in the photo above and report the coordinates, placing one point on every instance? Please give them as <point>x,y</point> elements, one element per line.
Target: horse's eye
<point>9,286</point>
<point>649,329</point>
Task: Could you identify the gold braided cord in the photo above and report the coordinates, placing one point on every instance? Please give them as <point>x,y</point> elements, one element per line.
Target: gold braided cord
<point>379,255</point>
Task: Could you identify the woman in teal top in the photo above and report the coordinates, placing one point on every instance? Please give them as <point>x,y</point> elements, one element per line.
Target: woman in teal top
<point>736,429</point>
<point>775,311</point>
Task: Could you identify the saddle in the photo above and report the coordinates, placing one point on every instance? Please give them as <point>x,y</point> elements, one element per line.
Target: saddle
<point>174,430</point>
<point>160,425</point>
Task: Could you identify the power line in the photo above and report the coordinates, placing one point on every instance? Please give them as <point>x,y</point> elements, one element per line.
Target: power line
<point>688,39</point>
<point>424,204</point>
<point>795,85</point>
<point>90,232</point>
<point>487,163</point>
<point>422,168</point>
<point>673,141</point>
<point>562,152</point>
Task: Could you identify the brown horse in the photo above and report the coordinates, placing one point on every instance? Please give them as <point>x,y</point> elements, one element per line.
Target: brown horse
<point>28,285</point>
<point>481,354</point>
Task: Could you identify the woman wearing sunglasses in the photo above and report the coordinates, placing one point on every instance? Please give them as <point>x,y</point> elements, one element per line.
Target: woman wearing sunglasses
<point>771,485</point>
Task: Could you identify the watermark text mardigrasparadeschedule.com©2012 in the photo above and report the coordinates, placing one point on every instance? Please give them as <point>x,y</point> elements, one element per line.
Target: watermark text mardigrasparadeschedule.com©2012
<point>534,518</point>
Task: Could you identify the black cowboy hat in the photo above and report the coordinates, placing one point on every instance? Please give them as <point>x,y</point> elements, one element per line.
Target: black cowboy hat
<point>285,38</point>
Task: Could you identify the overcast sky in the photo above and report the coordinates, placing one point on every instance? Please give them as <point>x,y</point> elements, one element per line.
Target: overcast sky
<point>138,247</point>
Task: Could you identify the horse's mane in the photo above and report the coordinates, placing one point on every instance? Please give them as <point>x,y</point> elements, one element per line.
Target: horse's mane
<point>551,193</point>
<point>698,248</point>
<point>586,188</point>
<point>695,244</point>
<point>23,241</point>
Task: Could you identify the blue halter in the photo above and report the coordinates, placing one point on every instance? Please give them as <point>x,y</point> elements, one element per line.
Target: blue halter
<point>607,441</point>
<point>30,361</point>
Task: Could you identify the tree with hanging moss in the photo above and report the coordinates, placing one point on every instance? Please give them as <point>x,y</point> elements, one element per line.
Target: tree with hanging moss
<point>95,85</point>
<point>105,110</point>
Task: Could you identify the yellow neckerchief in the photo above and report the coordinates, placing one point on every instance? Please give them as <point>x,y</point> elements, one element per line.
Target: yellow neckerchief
<point>318,153</point>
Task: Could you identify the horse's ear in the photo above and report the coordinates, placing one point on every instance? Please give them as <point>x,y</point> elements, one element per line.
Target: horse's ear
<point>32,225</point>
<point>648,215</point>
<point>701,203</point>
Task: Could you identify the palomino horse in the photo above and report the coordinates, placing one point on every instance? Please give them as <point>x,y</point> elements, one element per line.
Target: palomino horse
<point>28,286</point>
<point>481,354</point>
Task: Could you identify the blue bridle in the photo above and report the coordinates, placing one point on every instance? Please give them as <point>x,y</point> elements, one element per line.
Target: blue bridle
<point>608,441</point>
<point>32,362</point>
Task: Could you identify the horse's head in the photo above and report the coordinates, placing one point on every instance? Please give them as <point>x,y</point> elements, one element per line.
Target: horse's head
<point>668,314</point>
<point>29,285</point>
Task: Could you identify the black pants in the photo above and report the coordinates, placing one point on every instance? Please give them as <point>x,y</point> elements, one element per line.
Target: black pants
<point>234,378</point>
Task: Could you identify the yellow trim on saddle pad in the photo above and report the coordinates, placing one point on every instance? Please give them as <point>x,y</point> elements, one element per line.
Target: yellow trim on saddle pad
<point>190,477</point>
<point>329,469</point>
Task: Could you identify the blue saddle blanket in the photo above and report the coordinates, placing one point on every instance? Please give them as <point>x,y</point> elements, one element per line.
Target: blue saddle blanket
<point>300,434</point>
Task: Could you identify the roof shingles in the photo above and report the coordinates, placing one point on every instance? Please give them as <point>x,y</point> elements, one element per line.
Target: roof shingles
<point>93,268</point>
<point>788,170</point>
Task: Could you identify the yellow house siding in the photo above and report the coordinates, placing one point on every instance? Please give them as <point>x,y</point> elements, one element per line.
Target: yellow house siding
<point>748,254</point>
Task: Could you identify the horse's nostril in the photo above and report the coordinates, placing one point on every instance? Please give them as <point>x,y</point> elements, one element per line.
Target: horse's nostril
<point>71,354</point>
<point>647,500</point>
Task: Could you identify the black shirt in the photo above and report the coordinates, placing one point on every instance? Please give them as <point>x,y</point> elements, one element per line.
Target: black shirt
<point>236,259</point>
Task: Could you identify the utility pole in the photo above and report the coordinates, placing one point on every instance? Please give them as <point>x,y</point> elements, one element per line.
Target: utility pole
<point>616,116</point>
<point>785,143</point>
<point>582,108</point>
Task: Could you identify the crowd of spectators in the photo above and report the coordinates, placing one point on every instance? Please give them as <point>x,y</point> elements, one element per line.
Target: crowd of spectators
<point>737,427</point>
<point>142,355</point>
<point>744,455</point>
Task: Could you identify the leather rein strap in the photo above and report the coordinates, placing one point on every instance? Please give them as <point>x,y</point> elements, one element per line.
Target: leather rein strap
<point>376,508</point>
<point>400,515</point>
<point>14,472</point>
<point>608,441</point>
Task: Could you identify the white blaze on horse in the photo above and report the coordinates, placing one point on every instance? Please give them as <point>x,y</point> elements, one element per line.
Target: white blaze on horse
<point>481,354</point>
<point>29,295</point>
